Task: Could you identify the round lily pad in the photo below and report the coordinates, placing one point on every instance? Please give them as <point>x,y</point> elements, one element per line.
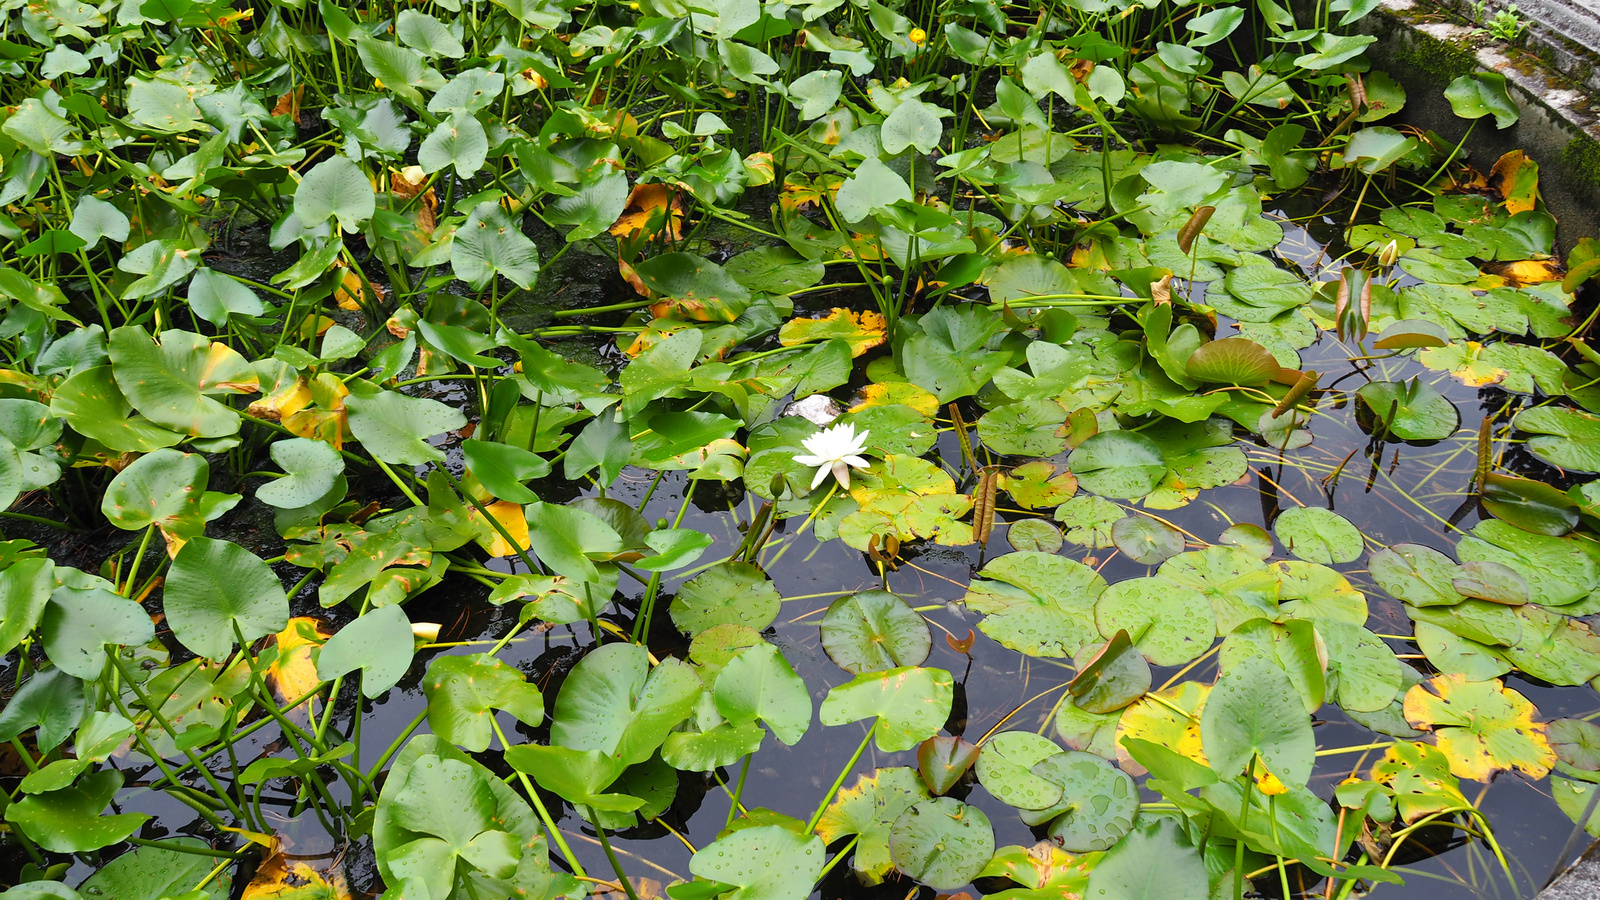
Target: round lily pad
<point>1100,801</point>
<point>1492,581</point>
<point>1170,624</point>
<point>1253,539</point>
<point>1411,410</point>
<point>870,631</point>
<point>1026,428</point>
<point>1123,465</point>
<point>942,842</point>
<point>1088,520</point>
<point>1577,747</point>
<point>1318,535</point>
<point>727,593</point>
<point>1417,574</point>
<point>1005,769</point>
<point>1146,540</point>
<point>1034,534</point>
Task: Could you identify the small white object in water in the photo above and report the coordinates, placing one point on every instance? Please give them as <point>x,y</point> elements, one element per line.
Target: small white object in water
<point>818,409</point>
<point>834,450</point>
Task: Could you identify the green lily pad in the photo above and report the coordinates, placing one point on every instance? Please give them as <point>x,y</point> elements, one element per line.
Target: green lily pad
<point>1032,427</point>
<point>1122,465</point>
<point>379,643</point>
<point>1037,603</point>
<point>1146,540</point>
<point>874,630</point>
<point>464,691</point>
<point>1254,711</point>
<point>395,428</point>
<point>1005,769</point>
<point>73,819</point>
<point>1089,521</point>
<point>1126,871</point>
<point>1411,410</point>
<point>760,684</point>
<point>869,809</point>
<point>614,702</point>
<point>1566,438</point>
<point>766,862</point>
<point>312,468</point>
<point>1318,535</point>
<point>172,383</point>
<point>1556,570</point>
<point>1417,574</point>
<point>727,593</point>
<point>1034,534</point>
<point>1099,802</point>
<point>218,590</point>
<point>908,704</point>
<point>1110,676</point>
<point>1169,623</point>
<point>941,842</point>
<point>1234,360</point>
<point>1576,743</point>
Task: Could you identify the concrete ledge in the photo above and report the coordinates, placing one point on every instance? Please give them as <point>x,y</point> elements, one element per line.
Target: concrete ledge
<point>1424,47</point>
<point>1581,880</point>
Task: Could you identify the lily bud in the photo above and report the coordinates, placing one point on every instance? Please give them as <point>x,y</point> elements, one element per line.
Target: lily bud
<point>427,631</point>
<point>1389,253</point>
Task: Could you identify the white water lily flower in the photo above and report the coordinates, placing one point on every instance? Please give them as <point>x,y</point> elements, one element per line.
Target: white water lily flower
<point>835,450</point>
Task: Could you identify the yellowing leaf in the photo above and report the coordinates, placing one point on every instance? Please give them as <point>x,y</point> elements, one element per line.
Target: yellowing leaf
<point>1420,777</point>
<point>292,673</point>
<point>1482,727</point>
<point>287,400</point>
<point>1463,360</point>
<point>652,209</point>
<point>510,517</point>
<point>861,330</point>
<point>1529,271</point>
<point>1515,178</point>
<point>897,393</point>
<point>1168,717</point>
<point>280,878</point>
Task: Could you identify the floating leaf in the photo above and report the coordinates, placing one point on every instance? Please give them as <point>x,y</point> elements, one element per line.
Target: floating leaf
<point>868,809</point>
<point>1122,465</point>
<point>1037,603</point>
<point>1169,623</point>
<point>909,704</point>
<point>1482,727</point>
<point>463,692</point>
<point>874,630</point>
<point>1098,801</point>
<point>764,862</point>
<point>941,842</point>
<point>1318,535</point>
<point>730,592</point>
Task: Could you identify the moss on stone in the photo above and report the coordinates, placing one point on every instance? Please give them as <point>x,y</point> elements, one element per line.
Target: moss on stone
<point>1436,61</point>
<point>1582,158</point>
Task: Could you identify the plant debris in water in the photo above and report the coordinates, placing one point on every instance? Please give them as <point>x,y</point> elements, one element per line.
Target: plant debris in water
<point>1009,317</point>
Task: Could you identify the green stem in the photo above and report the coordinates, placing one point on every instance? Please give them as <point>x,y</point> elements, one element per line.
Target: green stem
<point>827,798</point>
<point>616,864</point>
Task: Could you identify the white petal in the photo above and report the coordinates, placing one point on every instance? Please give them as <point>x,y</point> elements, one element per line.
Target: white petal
<point>813,460</point>
<point>822,475</point>
<point>856,461</point>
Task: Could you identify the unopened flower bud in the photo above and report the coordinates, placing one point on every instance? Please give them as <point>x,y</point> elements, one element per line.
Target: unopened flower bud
<point>1389,253</point>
